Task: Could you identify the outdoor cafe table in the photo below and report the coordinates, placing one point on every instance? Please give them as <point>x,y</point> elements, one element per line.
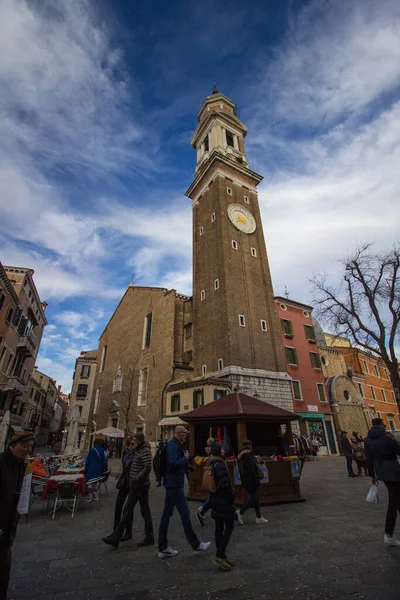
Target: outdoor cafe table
<point>69,471</point>
<point>53,482</point>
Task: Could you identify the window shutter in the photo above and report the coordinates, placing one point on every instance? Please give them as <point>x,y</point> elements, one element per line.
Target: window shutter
<point>296,360</point>
<point>179,402</point>
<point>194,399</point>
<point>215,394</point>
<point>172,404</point>
<point>202,397</point>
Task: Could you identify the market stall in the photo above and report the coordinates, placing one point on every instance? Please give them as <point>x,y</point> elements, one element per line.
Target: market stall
<point>237,417</point>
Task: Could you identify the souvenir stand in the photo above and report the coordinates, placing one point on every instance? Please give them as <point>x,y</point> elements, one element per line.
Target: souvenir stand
<point>237,417</point>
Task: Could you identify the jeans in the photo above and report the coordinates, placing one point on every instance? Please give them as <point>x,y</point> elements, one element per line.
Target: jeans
<point>119,505</point>
<point>349,461</point>
<point>140,495</point>
<point>205,508</point>
<point>5,568</point>
<point>223,532</point>
<point>175,497</point>
<point>253,502</point>
<point>393,488</point>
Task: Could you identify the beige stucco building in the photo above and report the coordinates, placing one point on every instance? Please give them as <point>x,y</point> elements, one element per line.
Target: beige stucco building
<point>81,396</point>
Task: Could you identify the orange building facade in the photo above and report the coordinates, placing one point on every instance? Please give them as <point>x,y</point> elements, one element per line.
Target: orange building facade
<point>373,381</point>
<point>303,364</point>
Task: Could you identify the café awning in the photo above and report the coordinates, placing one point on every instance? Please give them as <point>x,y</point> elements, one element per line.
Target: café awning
<point>112,432</point>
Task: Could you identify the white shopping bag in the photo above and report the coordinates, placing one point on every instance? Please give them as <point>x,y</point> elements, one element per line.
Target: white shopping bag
<point>373,494</point>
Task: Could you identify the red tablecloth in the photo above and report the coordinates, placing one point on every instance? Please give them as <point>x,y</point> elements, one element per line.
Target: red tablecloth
<point>52,484</point>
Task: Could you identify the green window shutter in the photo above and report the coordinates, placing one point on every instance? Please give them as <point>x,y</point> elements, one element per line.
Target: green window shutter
<point>321,392</point>
<point>296,360</point>
<point>195,400</point>
<point>179,402</point>
<point>215,394</point>
<point>290,327</point>
<point>172,404</point>
<point>202,398</point>
<point>225,392</point>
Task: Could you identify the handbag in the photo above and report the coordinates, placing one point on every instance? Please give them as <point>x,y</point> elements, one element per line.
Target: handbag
<point>208,482</point>
<point>264,473</point>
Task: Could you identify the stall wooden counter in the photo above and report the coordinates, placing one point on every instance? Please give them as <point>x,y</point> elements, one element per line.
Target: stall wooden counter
<point>234,418</point>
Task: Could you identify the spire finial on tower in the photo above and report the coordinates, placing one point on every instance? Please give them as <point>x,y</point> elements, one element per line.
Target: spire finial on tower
<point>215,91</point>
<point>286,292</point>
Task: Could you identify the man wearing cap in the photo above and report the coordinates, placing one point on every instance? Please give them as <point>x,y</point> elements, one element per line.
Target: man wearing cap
<point>12,471</point>
<point>139,485</point>
<point>174,482</point>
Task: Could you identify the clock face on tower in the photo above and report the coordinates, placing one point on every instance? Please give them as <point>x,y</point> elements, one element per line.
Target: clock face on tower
<point>241,218</point>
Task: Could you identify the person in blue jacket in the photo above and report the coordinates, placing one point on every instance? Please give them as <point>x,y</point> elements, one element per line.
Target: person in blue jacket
<point>96,461</point>
<point>177,460</point>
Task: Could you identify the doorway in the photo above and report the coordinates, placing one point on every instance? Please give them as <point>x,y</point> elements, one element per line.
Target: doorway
<point>331,437</point>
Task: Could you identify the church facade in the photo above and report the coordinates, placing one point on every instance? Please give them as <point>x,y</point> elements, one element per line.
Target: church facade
<point>163,354</point>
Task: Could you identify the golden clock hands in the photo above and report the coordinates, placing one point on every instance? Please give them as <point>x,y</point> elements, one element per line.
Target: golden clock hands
<point>241,219</point>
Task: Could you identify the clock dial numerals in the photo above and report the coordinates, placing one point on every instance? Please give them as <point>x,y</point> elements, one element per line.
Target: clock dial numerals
<point>241,218</point>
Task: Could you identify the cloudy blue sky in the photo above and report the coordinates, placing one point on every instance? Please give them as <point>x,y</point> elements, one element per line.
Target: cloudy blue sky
<point>97,106</point>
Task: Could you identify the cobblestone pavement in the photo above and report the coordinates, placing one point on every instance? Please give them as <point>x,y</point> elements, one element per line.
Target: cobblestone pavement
<point>329,547</point>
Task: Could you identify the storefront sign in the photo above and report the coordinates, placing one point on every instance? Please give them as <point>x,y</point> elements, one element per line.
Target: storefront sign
<point>312,408</point>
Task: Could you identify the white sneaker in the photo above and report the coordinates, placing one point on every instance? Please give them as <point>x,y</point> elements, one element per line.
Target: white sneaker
<point>203,547</point>
<point>240,517</point>
<point>168,552</point>
<point>391,541</point>
<point>261,520</point>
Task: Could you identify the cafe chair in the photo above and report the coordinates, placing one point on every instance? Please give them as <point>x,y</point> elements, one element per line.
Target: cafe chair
<point>66,494</point>
<point>93,490</point>
<point>105,476</point>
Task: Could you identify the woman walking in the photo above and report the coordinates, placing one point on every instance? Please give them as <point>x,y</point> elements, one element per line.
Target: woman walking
<point>251,475</point>
<point>123,491</point>
<point>222,504</point>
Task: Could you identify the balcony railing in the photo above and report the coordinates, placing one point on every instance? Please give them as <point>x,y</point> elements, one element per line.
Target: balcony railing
<point>28,343</point>
<point>16,384</point>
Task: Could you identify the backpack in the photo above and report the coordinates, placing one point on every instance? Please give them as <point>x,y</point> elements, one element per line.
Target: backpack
<point>208,483</point>
<point>160,461</point>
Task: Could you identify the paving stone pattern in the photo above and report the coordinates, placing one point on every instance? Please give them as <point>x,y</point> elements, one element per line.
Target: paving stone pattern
<point>329,547</point>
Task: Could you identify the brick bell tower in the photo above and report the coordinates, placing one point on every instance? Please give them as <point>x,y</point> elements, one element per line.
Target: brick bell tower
<point>235,324</point>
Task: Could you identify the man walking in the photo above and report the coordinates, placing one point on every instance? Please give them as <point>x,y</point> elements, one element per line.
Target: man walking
<point>12,471</point>
<point>139,485</point>
<point>347,450</point>
<point>174,479</point>
<point>381,452</point>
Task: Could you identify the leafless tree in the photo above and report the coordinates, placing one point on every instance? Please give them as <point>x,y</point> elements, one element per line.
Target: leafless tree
<point>124,392</point>
<point>365,304</point>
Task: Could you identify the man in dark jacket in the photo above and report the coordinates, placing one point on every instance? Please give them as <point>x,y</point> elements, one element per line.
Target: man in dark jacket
<point>347,450</point>
<point>12,471</point>
<point>251,475</point>
<point>123,490</point>
<point>381,452</point>
<point>139,485</point>
<point>174,481</point>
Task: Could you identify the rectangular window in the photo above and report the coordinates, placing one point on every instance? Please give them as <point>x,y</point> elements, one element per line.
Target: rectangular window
<point>142,391</point>
<point>366,366</point>
<point>246,199</point>
<point>393,397</point>
<point>220,364</point>
<point>85,371</point>
<point>310,333</point>
<point>253,252</point>
<point>361,390</point>
<point>315,360</point>
<point>218,393</point>
<point>96,401</point>
<point>198,398</point>
<point>392,425</point>
<point>213,218</point>
<point>9,315</point>
<point>234,244</point>
<point>148,320</point>
<point>264,325</point>
<point>204,370</point>
<point>373,392</point>
<point>229,191</point>
<point>2,300</point>
<point>216,284</point>
<point>188,331</point>
<point>203,294</point>
<point>229,139</point>
<point>376,371</point>
<point>82,390</point>
<point>296,386</point>
<point>383,395</point>
<point>287,327</point>
<point>291,356</point>
<point>188,356</point>
<point>175,403</point>
<point>103,359</point>
<point>242,321</point>
<point>201,230</point>
<point>206,144</point>
<point>321,392</point>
